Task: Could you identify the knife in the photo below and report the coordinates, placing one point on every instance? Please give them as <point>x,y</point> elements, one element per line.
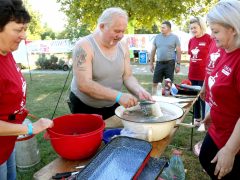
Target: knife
<point>64,174</point>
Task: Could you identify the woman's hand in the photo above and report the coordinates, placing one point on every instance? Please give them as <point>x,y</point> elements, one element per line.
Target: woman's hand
<point>207,121</point>
<point>224,160</point>
<point>203,92</point>
<point>41,125</point>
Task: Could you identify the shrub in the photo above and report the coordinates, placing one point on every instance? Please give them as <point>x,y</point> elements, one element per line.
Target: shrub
<point>52,63</point>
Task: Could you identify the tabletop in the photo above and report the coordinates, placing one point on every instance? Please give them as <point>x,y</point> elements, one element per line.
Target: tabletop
<point>60,165</point>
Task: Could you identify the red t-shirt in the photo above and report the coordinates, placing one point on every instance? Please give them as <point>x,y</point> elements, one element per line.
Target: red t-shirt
<point>198,49</point>
<point>224,97</point>
<point>12,100</point>
<point>213,58</point>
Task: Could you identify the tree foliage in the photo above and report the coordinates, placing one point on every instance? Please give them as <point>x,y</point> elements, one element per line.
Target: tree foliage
<point>143,14</point>
<point>34,27</point>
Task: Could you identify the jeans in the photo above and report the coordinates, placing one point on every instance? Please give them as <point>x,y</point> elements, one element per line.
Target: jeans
<point>199,105</point>
<point>8,169</point>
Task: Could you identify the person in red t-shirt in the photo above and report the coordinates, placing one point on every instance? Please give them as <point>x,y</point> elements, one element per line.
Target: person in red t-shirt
<point>198,48</point>
<point>13,25</point>
<point>213,58</point>
<point>220,151</point>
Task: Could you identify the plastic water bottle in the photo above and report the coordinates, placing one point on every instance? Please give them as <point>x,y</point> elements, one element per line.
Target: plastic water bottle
<point>175,170</point>
<point>159,89</point>
<point>173,90</point>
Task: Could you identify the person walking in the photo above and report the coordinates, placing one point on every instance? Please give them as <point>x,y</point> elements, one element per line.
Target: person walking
<point>165,44</point>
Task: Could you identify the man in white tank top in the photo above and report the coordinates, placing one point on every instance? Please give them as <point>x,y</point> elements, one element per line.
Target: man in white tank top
<point>101,66</point>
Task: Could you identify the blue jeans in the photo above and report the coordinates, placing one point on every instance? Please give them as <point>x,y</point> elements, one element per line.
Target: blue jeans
<point>199,105</point>
<point>8,169</point>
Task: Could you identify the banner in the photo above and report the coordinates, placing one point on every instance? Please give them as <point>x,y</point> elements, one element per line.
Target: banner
<point>50,46</point>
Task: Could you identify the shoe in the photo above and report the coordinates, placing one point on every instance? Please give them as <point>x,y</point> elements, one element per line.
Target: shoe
<point>197,148</point>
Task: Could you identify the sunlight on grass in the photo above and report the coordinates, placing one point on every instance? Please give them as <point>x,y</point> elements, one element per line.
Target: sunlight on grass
<point>42,97</point>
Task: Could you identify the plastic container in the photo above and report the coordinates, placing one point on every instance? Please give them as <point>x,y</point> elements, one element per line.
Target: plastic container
<point>175,170</point>
<point>76,136</point>
<point>159,89</point>
<point>122,158</point>
<point>110,133</point>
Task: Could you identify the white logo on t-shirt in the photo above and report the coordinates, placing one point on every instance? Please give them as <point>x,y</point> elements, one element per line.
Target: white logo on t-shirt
<point>195,52</point>
<point>213,59</point>
<point>226,70</point>
<point>211,80</point>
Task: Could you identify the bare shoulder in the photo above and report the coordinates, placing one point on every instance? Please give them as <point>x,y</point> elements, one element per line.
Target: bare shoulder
<point>82,50</point>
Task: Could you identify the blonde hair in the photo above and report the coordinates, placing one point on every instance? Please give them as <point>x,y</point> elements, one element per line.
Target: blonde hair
<point>109,13</point>
<point>200,22</point>
<point>227,14</point>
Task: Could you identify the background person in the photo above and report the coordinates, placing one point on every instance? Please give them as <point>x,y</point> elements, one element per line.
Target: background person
<point>198,49</point>
<point>165,45</point>
<point>101,66</point>
<point>13,26</point>
<point>220,150</point>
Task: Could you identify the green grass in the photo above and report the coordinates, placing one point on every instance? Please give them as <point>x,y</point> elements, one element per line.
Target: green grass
<point>43,93</point>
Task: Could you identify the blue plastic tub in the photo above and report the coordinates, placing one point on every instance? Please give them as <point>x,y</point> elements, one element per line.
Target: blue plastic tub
<point>108,134</point>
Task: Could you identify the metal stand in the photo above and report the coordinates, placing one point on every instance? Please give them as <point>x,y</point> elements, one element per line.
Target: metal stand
<point>191,140</point>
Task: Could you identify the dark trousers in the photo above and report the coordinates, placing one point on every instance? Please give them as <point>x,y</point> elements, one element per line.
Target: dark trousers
<point>208,152</point>
<point>77,106</point>
<point>199,105</point>
<point>163,70</point>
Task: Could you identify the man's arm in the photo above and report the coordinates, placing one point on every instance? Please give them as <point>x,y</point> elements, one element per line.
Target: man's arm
<point>178,61</point>
<point>82,69</point>
<point>152,57</point>
<point>131,82</point>
<point>178,49</point>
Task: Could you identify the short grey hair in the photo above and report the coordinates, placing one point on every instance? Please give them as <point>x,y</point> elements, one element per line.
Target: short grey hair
<point>227,14</point>
<point>109,13</point>
<point>200,22</point>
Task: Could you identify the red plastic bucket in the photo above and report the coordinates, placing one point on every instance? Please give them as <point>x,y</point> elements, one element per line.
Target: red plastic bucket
<point>76,136</point>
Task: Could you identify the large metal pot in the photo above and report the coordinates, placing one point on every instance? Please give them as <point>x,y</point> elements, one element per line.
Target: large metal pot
<point>156,128</point>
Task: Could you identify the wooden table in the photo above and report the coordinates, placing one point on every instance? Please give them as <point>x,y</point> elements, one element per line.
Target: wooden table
<point>62,165</point>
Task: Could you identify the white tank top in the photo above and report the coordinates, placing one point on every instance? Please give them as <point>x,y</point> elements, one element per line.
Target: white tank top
<point>108,73</point>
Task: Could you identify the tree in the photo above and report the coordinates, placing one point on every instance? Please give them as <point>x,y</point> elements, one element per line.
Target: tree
<point>48,33</point>
<point>34,27</point>
<point>142,13</point>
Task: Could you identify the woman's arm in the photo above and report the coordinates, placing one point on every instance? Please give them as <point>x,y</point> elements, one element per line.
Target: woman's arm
<point>225,156</point>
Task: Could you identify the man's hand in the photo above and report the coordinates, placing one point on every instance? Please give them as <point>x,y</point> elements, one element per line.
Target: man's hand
<point>177,68</point>
<point>152,67</point>
<point>144,95</point>
<point>128,100</point>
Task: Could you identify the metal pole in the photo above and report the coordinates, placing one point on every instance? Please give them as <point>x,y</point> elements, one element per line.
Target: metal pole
<point>30,74</point>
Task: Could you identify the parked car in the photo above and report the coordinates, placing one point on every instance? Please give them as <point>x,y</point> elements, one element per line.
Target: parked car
<point>67,65</point>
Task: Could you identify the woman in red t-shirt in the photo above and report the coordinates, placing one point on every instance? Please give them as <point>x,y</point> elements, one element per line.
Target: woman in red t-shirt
<point>198,48</point>
<point>220,151</point>
<point>13,25</point>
